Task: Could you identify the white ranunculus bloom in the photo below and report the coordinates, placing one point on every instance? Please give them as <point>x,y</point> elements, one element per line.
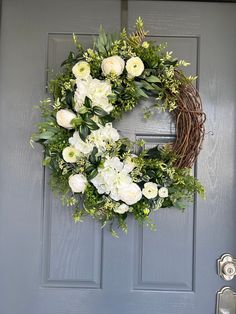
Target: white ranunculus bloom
<point>130,193</point>
<point>121,209</point>
<point>163,192</point>
<point>113,65</point>
<point>81,70</point>
<point>150,190</point>
<point>64,118</point>
<point>69,154</point>
<point>78,183</point>
<point>134,66</point>
<point>81,146</point>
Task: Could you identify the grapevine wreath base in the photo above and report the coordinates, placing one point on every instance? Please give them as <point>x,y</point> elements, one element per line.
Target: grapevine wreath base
<point>96,171</point>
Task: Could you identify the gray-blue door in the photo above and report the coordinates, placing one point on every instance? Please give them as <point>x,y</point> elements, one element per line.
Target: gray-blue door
<point>50,265</point>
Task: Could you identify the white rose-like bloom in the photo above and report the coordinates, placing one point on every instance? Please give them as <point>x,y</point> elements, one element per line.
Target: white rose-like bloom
<point>134,66</point>
<point>69,154</point>
<point>163,192</point>
<point>81,146</point>
<point>121,209</point>
<point>150,190</point>
<point>64,118</point>
<point>130,193</point>
<point>78,183</point>
<point>81,70</point>
<point>113,65</point>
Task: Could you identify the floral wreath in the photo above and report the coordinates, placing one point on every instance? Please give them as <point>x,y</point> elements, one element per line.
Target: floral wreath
<point>96,171</point>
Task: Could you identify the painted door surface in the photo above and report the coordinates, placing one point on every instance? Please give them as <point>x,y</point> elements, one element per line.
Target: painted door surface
<point>50,265</point>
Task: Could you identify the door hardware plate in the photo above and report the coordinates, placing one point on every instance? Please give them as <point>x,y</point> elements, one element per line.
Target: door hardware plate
<point>226,267</point>
<point>226,301</point>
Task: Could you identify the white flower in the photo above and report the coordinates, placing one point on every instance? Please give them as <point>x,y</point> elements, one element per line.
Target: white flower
<point>109,133</point>
<point>102,136</point>
<point>121,209</point>
<point>163,192</point>
<point>81,70</point>
<point>69,154</point>
<point>114,163</point>
<point>81,91</point>
<point>81,146</point>
<point>98,89</point>
<point>77,183</point>
<point>134,66</point>
<point>113,65</point>
<point>64,118</point>
<point>150,190</point>
<point>130,193</point>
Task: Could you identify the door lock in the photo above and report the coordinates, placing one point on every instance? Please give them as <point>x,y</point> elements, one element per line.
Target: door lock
<point>226,267</point>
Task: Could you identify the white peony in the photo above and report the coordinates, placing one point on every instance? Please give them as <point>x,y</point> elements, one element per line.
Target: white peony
<point>64,118</point>
<point>163,192</point>
<point>69,154</point>
<point>134,66</point>
<point>130,193</point>
<point>150,190</point>
<point>81,70</point>
<point>113,65</point>
<point>81,146</point>
<point>78,183</point>
<point>121,209</point>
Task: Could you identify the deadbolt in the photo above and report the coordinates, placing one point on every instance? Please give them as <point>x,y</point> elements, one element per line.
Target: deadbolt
<point>226,266</point>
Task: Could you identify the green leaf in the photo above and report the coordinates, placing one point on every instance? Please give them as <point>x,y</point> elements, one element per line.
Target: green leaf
<point>99,111</point>
<point>92,157</point>
<point>46,135</point>
<point>146,85</point>
<point>47,161</point>
<point>84,131</point>
<point>141,93</point>
<point>89,169</point>
<point>154,153</point>
<point>158,203</point>
<point>106,119</point>
<point>87,102</point>
<point>83,110</point>
<point>76,122</point>
<point>91,124</point>
<point>153,79</point>
<point>92,174</point>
